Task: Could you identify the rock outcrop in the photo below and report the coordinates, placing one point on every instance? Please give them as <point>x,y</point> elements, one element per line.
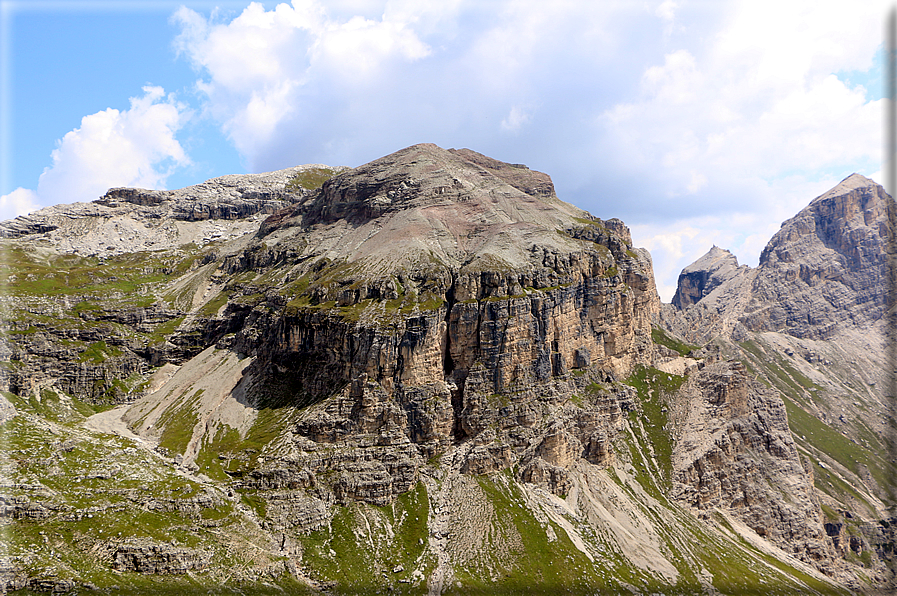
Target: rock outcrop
<point>823,272</point>
<point>827,267</point>
<point>735,453</point>
<point>131,219</point>
<point>699,279</point>
<point>444,296</point>
<point>163,559</point>
<point>811,321</point>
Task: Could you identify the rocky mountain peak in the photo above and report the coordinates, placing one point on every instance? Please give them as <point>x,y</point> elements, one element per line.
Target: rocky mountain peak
<point>853,182</point>
<point>700,278</point>
<point>424,176</point>
<point>846,219</point>
<point>826,267</point>
<point>426,207</point>
<point>824,270</point>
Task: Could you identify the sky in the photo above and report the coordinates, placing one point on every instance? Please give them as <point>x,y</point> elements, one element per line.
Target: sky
<point>697,123</point>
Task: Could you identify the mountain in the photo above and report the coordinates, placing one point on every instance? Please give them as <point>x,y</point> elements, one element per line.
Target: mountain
<point>427,374</point>
<point>812,321</point>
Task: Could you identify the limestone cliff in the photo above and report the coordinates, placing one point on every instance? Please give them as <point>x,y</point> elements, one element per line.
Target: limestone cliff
<point>822,275</point>
<point>736,454</point>
<point>427,299</point>
<point>699,279</point>
<point>827,267</point>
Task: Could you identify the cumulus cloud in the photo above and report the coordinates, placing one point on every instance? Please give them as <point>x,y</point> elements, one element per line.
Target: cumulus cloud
<point>748,127</point>
<point>19,202</point>
<point>133,147</point>
<point>515,119</point>
<point>313,81</point>
<point>272,75</point>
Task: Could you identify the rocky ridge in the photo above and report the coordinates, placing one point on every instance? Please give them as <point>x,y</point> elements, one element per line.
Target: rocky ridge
<point>352,388</point>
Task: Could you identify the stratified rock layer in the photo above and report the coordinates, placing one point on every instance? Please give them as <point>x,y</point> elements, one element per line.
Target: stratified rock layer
<point>703,276</point>
<point>823,272</point>
<point>735,452</point>
<point>827,266</point>
<point>429,350</point>
<point>811,321</point>
<point>445,296</point>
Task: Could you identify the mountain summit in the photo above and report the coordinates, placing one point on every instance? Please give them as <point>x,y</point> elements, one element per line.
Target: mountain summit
<point>424,204</point>
<point>825,270</point>
<point>704,275</point>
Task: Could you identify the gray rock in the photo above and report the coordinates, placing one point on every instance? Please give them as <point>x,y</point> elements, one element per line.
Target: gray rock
<point>157,558</point>
<point>706,274</point>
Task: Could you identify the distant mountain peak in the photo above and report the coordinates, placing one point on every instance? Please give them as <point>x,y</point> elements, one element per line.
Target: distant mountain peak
<point>853,182</point>
<point>704,275</point>
<point>821,272</point>
<point>712,259</point>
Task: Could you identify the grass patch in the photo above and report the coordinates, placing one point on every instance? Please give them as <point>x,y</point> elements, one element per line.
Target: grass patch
<point>661,337</point>
<point>837,446</point>
<point>28,274</point>
<point>654,388</point>
<point>534,563</point>
<point>217,513</point>
<point>364,545</point>
<point>177,423</point>
<point>98,352</point>
<point>228,454</point>
<point>211,308</point>
<point>310,179</point>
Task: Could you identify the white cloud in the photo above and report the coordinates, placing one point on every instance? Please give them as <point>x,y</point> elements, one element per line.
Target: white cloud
<point>268,71</point>
<point>133,147</point>
<point>759,100</point>
<point>667,10</point>
<point>698,181</point>
<point>336,81</point>
<point>516,118</point>
<point>19,202</point>
<point>676,82</point>
<point>753,123</point>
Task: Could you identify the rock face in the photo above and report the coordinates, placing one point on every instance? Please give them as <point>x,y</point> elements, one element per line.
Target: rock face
<point>823,272</point>
<point>811,321</point>
<point>131,219</point>
<point>706,274</point>
<point>157,559</point>
<point>508,290</point>
<point>827,266</point>
<point>736,453</point>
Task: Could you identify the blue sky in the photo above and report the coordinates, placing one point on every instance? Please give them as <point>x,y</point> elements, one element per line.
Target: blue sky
<point>697,123</point>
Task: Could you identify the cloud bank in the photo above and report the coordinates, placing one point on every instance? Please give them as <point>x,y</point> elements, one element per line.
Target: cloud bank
<point>695,123</point>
